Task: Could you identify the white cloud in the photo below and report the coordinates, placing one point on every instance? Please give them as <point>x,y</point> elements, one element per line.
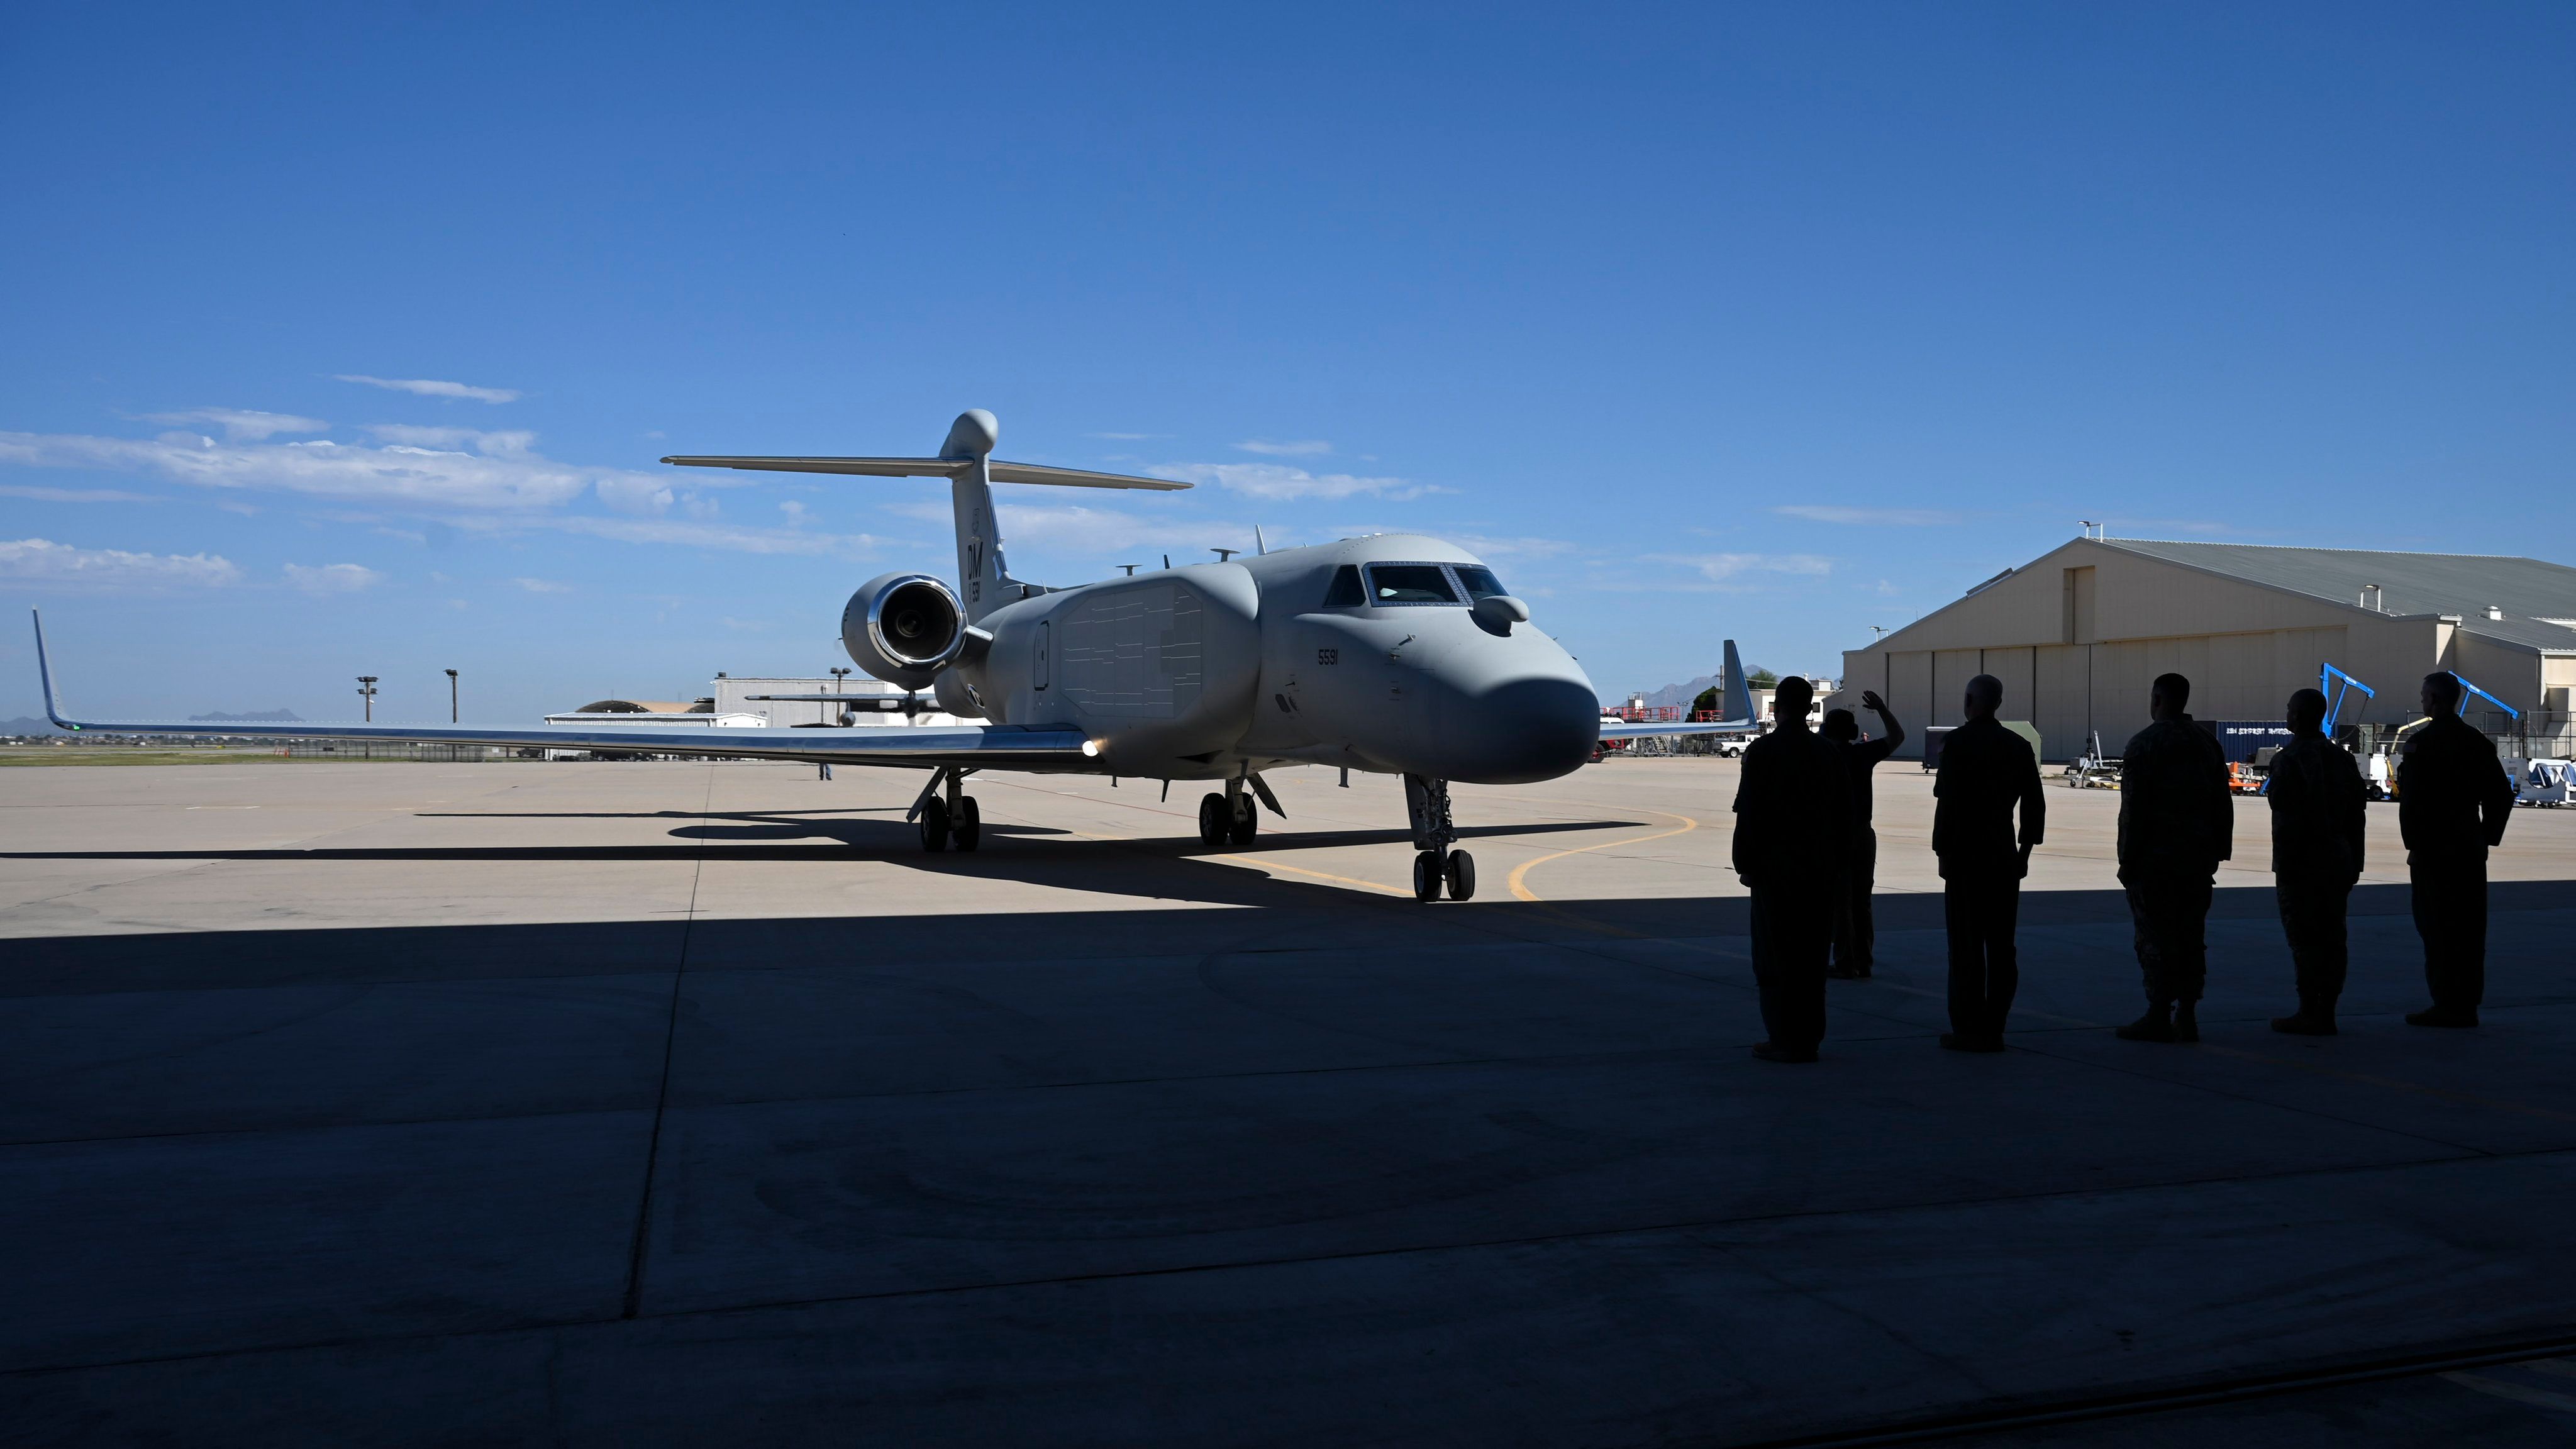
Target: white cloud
<point>240,425</point>
<point>39,560</point>
<point>343,578</point>
<point>542,586</point>
<point>431,387</point>
<point>71,495</point>
<point>1279,483</point>
<point>1514,548</point>
<point>797,516</point>
<point>505,474</point>
<point>1724,568</point>
<point>1883,517</point>
<point>1309,448</point>
<point>642,495</point>
<point>1100,532</point>
<point>507,443</point>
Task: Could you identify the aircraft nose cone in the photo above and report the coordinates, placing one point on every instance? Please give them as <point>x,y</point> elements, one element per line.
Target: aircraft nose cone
<point>1534,728</point>
<point>1524,725</point>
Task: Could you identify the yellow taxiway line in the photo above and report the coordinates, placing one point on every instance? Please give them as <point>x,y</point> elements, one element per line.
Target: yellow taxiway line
<point>1519,881</point>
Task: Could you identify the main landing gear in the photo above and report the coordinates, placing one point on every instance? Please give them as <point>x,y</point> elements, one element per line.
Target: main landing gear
<point>1435,865</point>
<point>1228,820</point>
<point>955,817</point>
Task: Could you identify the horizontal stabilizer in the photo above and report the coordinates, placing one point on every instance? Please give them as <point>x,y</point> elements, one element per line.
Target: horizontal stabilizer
<point>1613,730</point>
<point>1000,472</point>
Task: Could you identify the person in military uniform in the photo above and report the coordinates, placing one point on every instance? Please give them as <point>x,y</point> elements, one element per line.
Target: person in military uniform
<point>2318,807</point>
<point>2176,824</point>
<point>1793,818</point>
<point>1985,771</point>
<point>2453,799</point>
<point>1855,930</point>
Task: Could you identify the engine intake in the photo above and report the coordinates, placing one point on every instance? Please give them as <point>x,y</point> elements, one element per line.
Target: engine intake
<point>903,628</point>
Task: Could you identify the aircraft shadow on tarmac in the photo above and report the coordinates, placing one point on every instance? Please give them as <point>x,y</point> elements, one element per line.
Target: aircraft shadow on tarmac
<point>894,837</point>
<point>1315,915</point>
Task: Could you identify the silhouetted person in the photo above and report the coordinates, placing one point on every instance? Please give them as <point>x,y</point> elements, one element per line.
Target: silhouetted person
<point>1855,932</point>
<point>2453,800</point>
<point>2176,824</point>
<point>1985,771</point>
<point>2318,804</point>
<point>1792,833</point>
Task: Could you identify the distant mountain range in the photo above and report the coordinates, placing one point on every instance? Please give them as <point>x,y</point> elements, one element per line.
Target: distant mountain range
<point>1682,694</point>
<point>23,725</point>
<point>280,715</point>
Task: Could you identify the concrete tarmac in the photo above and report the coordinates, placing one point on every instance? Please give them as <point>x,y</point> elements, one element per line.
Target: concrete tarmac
<point>668,1103</point>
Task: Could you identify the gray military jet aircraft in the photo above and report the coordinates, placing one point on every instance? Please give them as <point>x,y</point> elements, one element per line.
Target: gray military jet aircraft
<point>1394,653</point>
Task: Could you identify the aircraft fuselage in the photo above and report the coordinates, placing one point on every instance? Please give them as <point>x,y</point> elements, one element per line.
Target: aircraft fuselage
<point>1203,672</point>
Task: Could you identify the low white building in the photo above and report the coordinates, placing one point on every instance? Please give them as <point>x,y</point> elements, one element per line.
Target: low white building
<point>732,695</point>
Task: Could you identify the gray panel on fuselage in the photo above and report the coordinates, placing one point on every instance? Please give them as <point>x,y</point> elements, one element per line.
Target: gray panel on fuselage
<point>1132,652</point>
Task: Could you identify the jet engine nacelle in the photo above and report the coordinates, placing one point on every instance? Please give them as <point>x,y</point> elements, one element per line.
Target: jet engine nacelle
<point>903,628</point>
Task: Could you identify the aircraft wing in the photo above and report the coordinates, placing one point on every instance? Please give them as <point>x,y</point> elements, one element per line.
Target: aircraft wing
<point>999,471</point>
<point>1613,730</point>
<point>993,747</point>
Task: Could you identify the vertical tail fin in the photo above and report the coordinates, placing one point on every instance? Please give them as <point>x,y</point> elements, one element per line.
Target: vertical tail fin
<point>1739,695</point>
<point>45,675</point>
<point>983,580</point>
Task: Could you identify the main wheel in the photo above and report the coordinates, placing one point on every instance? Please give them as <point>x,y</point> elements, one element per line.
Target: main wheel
<point>1245,824</point>
<point>1426,876</point>
<point>1213,824</point>
<point>934,824</point>
<point>1461,873</point>
<point>967,827</point>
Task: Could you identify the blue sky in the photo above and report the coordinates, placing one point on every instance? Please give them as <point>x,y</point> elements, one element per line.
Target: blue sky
<point>343,339</point>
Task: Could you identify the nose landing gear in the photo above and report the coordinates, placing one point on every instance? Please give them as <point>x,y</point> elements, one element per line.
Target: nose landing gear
<point>1436,866</point>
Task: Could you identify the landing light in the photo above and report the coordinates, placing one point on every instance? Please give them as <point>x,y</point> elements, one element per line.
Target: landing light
<point>1091,747</point>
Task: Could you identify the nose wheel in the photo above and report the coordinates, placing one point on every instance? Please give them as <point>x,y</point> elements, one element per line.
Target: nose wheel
<point>1436,868</point>
<point>1435,871</point>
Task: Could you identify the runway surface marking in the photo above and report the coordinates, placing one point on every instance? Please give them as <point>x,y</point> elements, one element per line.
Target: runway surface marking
<point>2469,1099</point>
<point>1366,885</point>
<point>2466,1099</point>
<point>2519,1393</point>
<point>1519,881</point>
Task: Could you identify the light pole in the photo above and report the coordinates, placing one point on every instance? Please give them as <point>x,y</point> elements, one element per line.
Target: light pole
<point>451,696</point>
<point>1877,632</point>
<point>367,695</point>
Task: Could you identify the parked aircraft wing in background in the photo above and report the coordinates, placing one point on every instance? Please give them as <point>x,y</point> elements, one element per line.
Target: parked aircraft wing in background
<point>919,747</point>
<point>1738,698</point>
<point>1613,730</point>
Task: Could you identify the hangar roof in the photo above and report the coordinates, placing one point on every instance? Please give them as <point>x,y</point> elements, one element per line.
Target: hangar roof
<point>2538,598</point>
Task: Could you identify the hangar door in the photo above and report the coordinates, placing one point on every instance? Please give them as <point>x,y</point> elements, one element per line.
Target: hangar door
<point>1909,693</point>
<point>2061,700</point>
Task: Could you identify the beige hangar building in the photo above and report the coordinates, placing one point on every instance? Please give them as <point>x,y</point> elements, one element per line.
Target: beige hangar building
<point>2077,634</point>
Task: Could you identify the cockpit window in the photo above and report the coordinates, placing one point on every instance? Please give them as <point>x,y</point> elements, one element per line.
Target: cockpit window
<point>1410,584</point>
<point>1480,582</point>
<point>1345,592</point>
